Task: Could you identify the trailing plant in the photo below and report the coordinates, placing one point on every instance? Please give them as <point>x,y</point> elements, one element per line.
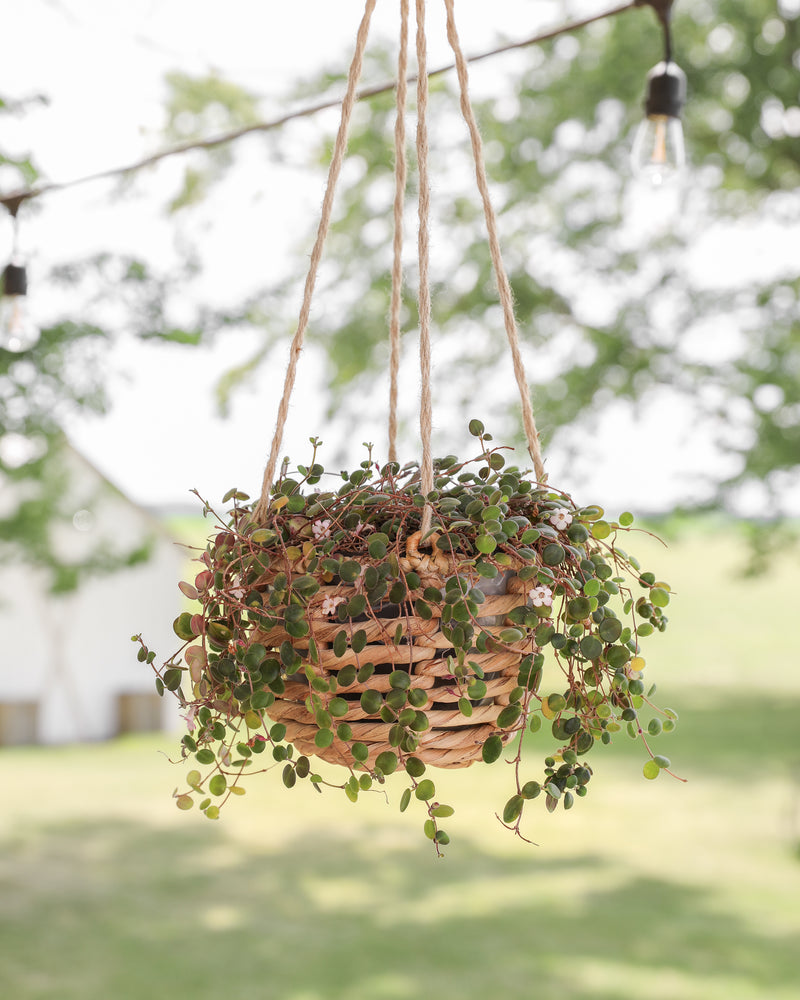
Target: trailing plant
<point>333,595</point>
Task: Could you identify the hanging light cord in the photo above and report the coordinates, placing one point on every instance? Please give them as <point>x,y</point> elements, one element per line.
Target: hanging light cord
<point>14,199</point>
<point>663,11</point>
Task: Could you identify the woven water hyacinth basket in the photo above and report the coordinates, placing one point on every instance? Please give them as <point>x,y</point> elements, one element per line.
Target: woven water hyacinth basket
<point>397,671</point>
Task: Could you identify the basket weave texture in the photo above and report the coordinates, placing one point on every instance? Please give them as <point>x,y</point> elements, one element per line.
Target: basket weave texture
<point>398,639</point>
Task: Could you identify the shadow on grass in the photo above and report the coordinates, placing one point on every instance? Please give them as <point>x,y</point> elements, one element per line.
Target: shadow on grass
<point>122,910</point>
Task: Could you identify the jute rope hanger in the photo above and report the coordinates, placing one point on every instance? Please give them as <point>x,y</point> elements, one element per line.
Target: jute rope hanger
<point>504,288</point>
<point>423,246</point>
<point>400,174</point>
<point>334,170</point>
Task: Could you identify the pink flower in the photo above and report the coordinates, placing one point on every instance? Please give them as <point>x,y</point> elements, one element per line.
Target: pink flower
<point>561,518</point>
<point>330,604</point>
<point>189,717</point>
<point>321,529</point>
<point>541,597</point>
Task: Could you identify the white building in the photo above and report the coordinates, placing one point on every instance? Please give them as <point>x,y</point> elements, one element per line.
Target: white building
<point>68,668</point>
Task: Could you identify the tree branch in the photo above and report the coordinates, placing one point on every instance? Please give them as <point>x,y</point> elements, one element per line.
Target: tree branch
<point>15,199</point>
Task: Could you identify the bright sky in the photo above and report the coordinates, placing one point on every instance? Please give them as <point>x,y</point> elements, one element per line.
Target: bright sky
<point>102,64</point>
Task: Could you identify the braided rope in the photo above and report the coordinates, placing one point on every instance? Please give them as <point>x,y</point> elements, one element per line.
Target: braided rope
<point>400,175</point>
<point>339,150</point>
<point>425,403</point>
<point>503,285</point>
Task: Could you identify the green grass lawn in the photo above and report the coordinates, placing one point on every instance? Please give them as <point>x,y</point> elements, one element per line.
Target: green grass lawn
<point>647,890</point>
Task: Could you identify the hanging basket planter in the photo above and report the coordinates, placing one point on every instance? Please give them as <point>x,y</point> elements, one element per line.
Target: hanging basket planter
<point>334,629</point>
<point>384,647</point>
<point>401,619</point>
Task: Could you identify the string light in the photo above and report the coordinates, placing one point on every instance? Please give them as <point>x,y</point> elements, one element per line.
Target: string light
<point>658,154</point>
<point>18,332</point>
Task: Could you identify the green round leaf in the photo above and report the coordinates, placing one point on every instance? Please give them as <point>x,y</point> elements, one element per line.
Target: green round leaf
<point>553,554</point>
<point>508,716</point>
<point>346,676</point>
<point>182,626</point>
<point>591,647</point>
<point>651,769</point>
<point>371,702</point>
<point>485,544</point>
<point>659,597</point>
<point>531,789</point>
<point>323,738</point>
<point>217,784</point>
<point>415,767</point>
<point>259,700</point>
<point>492,748</point>
<point>377,548</point>
<point>425,790</point>
<point>579,608</point>
<point>513,809</point>
<point>338,707</point>
<point>610,629</point>
<point>386,762</point>
<point>350,570</point>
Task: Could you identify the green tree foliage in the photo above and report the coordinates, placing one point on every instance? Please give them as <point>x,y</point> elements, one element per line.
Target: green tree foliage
<point>201,106</point>
<point>64,372</point>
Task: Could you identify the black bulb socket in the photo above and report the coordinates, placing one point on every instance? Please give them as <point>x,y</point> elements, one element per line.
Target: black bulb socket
<point>15,280</point>
<point>666,91</point>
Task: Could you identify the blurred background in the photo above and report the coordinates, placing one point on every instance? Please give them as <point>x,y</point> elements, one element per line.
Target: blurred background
<point>661,332</point>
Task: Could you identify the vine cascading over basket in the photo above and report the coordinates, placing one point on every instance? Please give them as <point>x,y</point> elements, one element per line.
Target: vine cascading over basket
<point>400,620</point>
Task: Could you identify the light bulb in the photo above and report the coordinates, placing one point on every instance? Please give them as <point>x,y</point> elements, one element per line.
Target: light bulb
<point>658,152</point>
<point>18,332</point>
